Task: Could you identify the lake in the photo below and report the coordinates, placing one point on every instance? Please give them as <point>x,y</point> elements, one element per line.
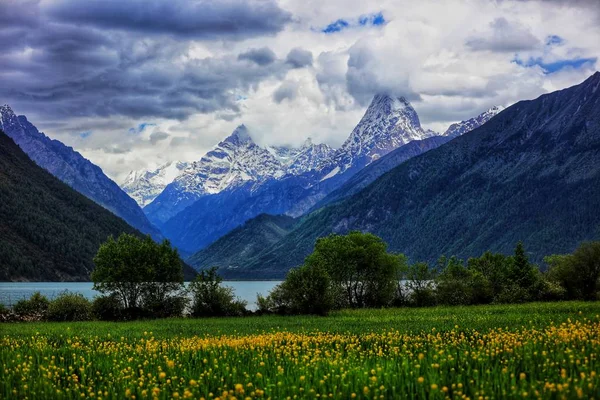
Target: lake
<point>11,292</point>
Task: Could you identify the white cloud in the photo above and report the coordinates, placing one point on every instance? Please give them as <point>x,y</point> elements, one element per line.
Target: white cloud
<point>454,59</point>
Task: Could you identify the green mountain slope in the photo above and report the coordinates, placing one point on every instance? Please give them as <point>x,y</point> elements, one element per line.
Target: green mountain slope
<point>234,249</point>
<point>532,173</point>
<point>48,231</point>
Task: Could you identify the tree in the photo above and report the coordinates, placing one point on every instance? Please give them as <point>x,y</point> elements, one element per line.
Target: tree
<point>577,273</point>
<point>421,284</point>
<point>493,267</point>
<point>139,272</point>
<point>210,299</point>
<point>306,290</point>
<point>458,284</point>
<point>360,266</point>
<point>522,273</point>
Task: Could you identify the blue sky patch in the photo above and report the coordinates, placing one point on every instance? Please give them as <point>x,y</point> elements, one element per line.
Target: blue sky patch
<point>375,19</point>
<point>554,40</point>
<point>555,66</point>
<point>85,135</point>
<point>336,26</point>
<point>140,128</point>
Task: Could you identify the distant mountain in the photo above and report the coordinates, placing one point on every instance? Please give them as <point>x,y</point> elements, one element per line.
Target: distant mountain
<point>305,176</point>
<point>143,186</point>
<point>72,168</point>
<point>234,162</point>
<point>388,123</point>
<point>460,128</point>
<point>531,173</point>
<point>245,241</point>
<point>48,231</point>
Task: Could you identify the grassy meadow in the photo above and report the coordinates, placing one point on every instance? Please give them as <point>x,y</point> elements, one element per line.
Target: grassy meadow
<point>537,350</point>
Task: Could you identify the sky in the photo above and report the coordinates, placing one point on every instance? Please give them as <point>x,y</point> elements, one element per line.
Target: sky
<point>133,84</point>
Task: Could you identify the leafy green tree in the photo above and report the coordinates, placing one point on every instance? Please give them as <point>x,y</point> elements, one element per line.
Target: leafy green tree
<point>210,299</point>
<point>578,273</point>
<point>459,284</point>
<point>493,269</point>
<point>360,266</point>
<point>139,272</point>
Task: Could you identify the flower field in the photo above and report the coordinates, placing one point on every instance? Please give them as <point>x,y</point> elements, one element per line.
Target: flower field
<point>534,351</point>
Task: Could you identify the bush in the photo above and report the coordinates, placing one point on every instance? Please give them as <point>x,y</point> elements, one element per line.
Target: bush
<point>69,307</point>
<point>210,299</point>
<point>420,285</point>
<point>172,306</point>
<point>36,305</point>
<point>306,290</point>
<point>108,308</point>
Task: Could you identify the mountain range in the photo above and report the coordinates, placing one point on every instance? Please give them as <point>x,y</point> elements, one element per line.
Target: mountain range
<point>239,180</point>
<point>295,195</point>
<point>531,173</point>
<point>73,169</point>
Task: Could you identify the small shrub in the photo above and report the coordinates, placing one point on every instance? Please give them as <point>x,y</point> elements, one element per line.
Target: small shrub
<point>69,307</point>
<point>210,299</point>
<point>108,308</point>
<point>35,305</point>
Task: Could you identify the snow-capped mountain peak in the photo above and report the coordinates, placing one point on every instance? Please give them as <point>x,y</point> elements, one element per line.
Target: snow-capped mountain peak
<point>143,186</point>
<point>460,128</point>
<point>240,136</point>
<point>388,123</point>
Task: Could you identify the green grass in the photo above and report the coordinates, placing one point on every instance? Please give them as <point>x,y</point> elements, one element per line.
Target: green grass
<point>540,350</point>
<point>405,320</point>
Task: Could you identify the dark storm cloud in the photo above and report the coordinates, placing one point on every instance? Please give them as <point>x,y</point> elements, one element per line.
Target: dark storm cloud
<point>262,56</point>
<point>69,59</point>
<point>287,90</point>
<point>19,12</point>
<point>158,136</point>
<point>504,36</point>
<point>299,58</point>
<point>200,19</point>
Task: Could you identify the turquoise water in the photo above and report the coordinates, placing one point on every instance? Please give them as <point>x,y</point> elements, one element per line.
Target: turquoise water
<point>11,292</point>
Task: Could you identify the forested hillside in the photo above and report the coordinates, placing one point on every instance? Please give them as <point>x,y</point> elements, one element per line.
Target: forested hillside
<point>48,231</point>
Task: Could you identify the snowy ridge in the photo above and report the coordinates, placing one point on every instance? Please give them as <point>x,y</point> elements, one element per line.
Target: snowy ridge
<point>234,162</point>
<point>143,186</point>
<point>460,128</point>
<point>388,123</point>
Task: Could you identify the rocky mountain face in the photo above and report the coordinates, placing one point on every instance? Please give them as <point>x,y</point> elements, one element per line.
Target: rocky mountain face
<point>304,176</point>
<point>143,186</point>
<point>460,128</point>
<point>388,123</point>
<point>531,173</point>
<point>73,169</point>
